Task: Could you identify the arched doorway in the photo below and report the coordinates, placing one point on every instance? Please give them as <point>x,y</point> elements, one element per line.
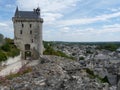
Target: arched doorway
<point>27,55</point>
<point>27,52</point>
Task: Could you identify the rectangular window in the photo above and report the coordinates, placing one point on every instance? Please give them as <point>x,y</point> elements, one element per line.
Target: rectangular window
<point>30,25</point>
<point>27,46</point>
<point>30,32</point>
<point>20,31</point>
<point>32,40</point>
<point>22,25</point>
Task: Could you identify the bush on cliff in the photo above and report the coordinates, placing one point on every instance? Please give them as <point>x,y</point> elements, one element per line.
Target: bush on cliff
<point>3,56</point>
<point>50,51</point>
<point>8,49</point>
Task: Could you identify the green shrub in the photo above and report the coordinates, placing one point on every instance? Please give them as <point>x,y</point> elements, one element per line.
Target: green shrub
<point>9,41</point>
<point>90,72</point>
<point>89,52</point>
<point>8,49</point>
<point>50,51</point>
<point>61,54</point>
<point>14,52</point>
<point>110,47</point>
<point>1,38</point>
<point>73,54</point>
<point>81,58</point>
<point>5,47</point>
<point>105,79</point>
<point>3,56</point>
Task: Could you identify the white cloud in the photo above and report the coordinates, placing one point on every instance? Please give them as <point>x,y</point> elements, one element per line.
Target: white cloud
<point>105,33</point>
<point>6,28</point>
<point>57,26</point>
<point>47,5</point>
<point>115,28</point>
<point>114,9</point>
<point>3,24</point>
<point>89,20</point>
<point>51,17</point>
<point>51,10</point>
<point>116,25</point>
<point>107,29</point>
<point>65,30</point>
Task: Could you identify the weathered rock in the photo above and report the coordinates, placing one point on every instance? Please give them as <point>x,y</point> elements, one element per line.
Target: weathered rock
<point>55,73</point>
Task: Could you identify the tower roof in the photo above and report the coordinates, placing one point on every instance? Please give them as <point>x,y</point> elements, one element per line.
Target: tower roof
<point>27,14</point>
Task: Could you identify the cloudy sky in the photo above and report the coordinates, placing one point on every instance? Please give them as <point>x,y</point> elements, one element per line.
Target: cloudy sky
<point>68,20</point>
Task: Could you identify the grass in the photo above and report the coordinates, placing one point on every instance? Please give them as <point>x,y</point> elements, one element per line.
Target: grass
<point>50,51</point>
<point>93,76</point>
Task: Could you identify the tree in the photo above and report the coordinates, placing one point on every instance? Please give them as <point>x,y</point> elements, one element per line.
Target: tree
<point>1,38</point>
<point>5,47</point>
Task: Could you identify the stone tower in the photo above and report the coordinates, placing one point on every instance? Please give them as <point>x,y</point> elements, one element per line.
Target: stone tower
<point>28,33</point>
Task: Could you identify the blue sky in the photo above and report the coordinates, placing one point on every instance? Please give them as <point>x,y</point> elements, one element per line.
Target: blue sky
<point>68,20</point>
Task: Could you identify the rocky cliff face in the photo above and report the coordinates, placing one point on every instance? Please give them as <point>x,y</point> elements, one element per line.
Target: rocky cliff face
<point>55,73</point>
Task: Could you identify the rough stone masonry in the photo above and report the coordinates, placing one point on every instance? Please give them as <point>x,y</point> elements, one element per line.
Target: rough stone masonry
<point>28,33</point>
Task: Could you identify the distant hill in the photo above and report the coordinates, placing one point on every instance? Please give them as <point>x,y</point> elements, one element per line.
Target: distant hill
<point>83,43</point>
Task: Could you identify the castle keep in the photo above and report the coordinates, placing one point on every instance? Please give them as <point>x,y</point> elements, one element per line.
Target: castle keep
<point>28,33</point>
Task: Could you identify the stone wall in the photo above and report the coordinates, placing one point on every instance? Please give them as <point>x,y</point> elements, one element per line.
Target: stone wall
<point>28,32</point>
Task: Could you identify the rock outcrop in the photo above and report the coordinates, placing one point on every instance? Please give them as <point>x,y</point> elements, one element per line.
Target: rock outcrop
<point>55,73</point>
